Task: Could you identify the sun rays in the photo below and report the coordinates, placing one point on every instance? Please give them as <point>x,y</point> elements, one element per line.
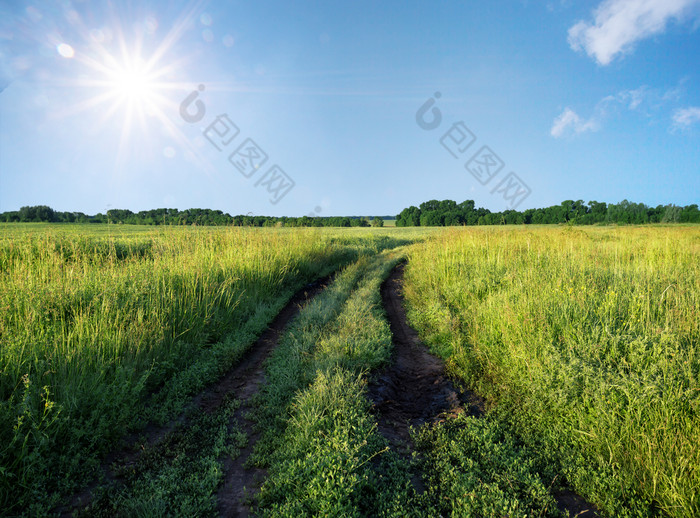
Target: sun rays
<point>123,83</point>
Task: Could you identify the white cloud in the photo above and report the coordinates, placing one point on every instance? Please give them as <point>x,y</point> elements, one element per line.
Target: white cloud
<point>644,101</point>
<point>569,123</point>
<point>634,97</point>
<point>685,117</point>
<point>619,24</point>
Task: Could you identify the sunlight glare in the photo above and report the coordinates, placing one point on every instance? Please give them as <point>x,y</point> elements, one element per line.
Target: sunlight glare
<point>133,84</point>
<point>129,86</point>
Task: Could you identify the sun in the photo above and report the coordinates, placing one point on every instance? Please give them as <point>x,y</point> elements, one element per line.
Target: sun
<point>126,90</point>
<point>129,91</point>
<point>133,85</point>
<point>128,85</point>
<point>129,94</point>
<point>124,81</point>
<point>131,82</point>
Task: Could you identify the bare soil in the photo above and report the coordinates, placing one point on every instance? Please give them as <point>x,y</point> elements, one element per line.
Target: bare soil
<point>415,390</point>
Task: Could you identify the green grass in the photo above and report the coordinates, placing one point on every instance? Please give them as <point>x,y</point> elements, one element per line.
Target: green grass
<point>587,340</point>
<point>318,439</point>
<point>321,446</point>
<point>476,467</point>
<point>105,329</point>
<point>177,477</point>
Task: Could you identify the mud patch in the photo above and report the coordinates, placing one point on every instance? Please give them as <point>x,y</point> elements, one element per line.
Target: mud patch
<point>414,389</point>
<point>575,505</point>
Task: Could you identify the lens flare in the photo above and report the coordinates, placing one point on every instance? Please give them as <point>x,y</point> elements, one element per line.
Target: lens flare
<point>65,50</point>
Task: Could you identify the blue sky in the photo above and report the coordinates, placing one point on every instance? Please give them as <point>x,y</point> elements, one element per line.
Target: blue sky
<point>587,100</point>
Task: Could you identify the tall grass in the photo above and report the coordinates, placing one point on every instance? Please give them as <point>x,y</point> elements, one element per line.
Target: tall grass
<point>93,321</point>
<point>588,340</point>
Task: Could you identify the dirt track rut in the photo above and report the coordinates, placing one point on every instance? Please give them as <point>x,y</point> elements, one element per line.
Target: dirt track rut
<point>240,482</point>
<point>415,388</point>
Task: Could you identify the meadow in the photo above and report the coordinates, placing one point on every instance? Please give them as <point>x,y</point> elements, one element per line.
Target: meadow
<point>587,340</point>
<point>584,342</point>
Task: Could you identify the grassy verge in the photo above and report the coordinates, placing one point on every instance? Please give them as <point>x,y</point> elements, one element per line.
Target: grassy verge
<point>588,341</point>
<point>177,477</point>
<point>476,467</point>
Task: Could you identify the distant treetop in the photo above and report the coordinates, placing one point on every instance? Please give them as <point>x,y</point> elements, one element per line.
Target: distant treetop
<point>448,213</point>
<point>429,214</point>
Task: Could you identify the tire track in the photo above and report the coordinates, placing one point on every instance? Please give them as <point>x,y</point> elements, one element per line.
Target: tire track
<point>414,389</point>
<point>241,482</point>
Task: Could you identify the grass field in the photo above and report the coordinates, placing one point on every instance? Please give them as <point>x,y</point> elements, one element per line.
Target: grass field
<point>585,343</point>
<point>588,340</point>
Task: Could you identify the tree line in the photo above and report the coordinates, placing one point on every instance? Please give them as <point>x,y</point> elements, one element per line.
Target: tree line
<point>43,213</point>
<point>429,213</point>
<point>448,212</point>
